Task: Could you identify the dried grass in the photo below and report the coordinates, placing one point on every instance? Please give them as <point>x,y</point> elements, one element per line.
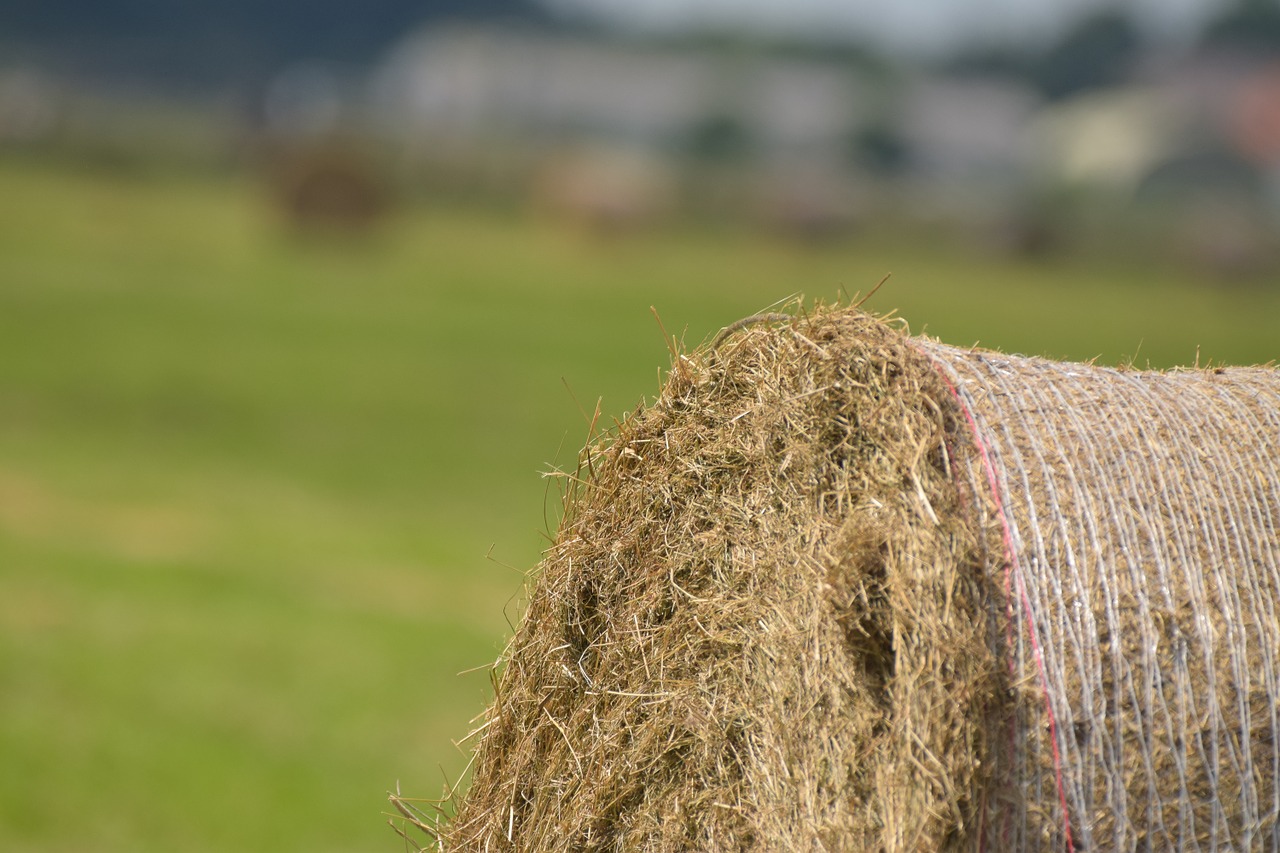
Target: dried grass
<point>807,600</point>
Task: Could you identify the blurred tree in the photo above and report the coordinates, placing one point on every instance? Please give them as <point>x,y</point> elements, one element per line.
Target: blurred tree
<point>879,147</point>
<point>1097,52</point>
<point>719,137</point>
<point>1248,25</point>
<point>994,59</point>
<point>216,40</point>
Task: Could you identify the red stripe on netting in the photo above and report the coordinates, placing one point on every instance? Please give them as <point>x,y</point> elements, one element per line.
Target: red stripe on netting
<point>1012,572</point>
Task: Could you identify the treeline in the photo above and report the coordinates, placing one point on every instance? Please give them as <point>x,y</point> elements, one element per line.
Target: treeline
<point>219,41</point>
<point>1103,49</point>
<point>225,41</point>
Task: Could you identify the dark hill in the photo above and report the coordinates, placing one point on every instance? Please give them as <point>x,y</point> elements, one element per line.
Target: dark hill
<point>221,41</point>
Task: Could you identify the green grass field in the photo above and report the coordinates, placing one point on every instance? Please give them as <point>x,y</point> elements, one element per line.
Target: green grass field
<point>249,483</point>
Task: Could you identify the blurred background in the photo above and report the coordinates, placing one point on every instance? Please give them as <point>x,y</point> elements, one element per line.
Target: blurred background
<point>299,300</point>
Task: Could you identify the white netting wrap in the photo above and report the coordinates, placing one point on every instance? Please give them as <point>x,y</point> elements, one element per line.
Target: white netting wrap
<point>1142,513</point>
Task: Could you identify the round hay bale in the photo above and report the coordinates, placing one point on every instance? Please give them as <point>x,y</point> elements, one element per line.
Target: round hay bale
<point>840,588</point>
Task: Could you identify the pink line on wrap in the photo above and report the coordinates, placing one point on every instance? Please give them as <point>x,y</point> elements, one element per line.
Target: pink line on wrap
<point>1011,572</point>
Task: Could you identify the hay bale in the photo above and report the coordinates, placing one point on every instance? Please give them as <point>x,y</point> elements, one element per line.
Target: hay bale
<point>840,588</point>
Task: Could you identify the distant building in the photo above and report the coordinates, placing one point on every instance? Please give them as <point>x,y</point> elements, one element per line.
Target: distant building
<point>1207,125</point>
<point>488,82</point>
<point>968,130</point>
<point>1107,140</point>
<point>475,82</point>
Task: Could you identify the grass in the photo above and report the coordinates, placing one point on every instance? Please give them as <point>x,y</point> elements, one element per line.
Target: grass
<point>248,482</point>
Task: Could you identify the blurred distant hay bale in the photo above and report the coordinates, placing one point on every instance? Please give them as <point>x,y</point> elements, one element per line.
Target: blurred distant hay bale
<point>811,205</point>
<point>327,188</point>
<point>1226,242</point>
<point>840,588</point>
<point>602,191</point>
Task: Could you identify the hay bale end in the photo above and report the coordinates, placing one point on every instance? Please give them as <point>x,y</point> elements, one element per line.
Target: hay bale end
<point>841,588</point>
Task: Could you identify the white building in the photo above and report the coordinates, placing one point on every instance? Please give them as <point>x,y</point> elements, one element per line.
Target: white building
<point>475,83</point>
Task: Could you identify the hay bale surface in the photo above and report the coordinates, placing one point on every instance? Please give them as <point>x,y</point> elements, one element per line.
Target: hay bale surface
<point>839,588</point>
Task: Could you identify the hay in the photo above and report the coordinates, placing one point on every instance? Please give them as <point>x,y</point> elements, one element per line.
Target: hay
<point>839,588</point>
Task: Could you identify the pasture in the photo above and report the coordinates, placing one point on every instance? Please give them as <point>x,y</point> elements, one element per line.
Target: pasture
<point>262,497</point>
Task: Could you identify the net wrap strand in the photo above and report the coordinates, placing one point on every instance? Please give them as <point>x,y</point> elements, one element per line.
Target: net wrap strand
<point>841,588</point>
<point>1142,510</point>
